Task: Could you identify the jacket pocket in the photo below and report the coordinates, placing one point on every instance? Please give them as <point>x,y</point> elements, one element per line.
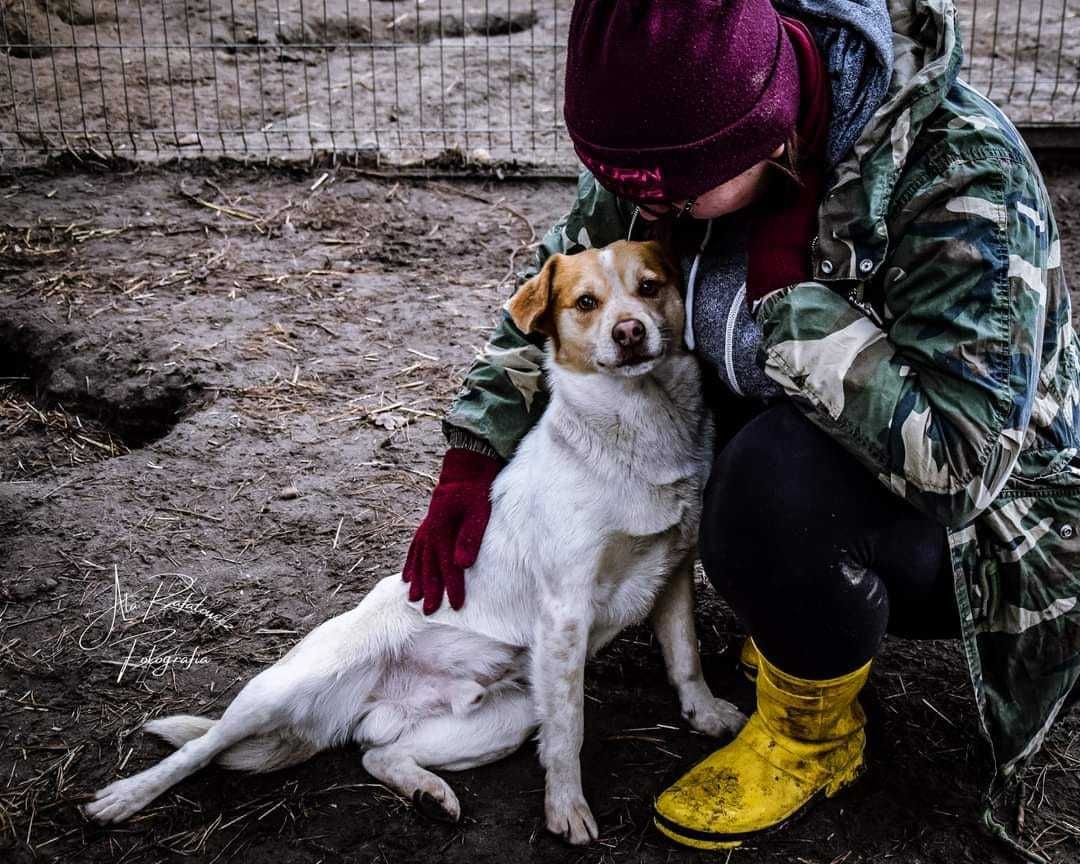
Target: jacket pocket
<point>1029,560</point>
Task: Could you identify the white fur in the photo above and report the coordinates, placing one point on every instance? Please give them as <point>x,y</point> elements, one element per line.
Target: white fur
<point>593,527</point>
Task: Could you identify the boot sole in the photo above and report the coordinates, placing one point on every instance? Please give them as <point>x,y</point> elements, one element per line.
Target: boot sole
<point>713,840</point>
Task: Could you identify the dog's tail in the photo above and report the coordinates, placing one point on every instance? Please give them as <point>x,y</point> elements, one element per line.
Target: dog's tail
<point>257,753</point>
<point>180,728</point>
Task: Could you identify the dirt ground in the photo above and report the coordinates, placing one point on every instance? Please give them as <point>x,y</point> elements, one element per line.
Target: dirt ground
<point>400,78</point>
<point>220,393</point>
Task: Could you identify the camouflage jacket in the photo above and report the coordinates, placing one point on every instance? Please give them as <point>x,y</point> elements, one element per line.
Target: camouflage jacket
<point>935,343</point>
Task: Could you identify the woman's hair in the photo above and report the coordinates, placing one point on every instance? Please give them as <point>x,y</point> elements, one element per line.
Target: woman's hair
<point>788,163</point>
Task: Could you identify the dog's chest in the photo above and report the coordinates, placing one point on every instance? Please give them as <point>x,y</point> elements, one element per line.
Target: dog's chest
<point>635,564</point>
<point>631,574</point>
<point>641,509</point>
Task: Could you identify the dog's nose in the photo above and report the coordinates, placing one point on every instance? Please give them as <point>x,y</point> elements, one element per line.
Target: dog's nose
<point>629,332</point>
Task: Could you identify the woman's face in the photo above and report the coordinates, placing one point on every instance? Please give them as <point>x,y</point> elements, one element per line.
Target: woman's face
<point>726,198</point>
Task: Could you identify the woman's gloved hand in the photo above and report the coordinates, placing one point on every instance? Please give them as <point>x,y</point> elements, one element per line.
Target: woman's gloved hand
<point>448,540</point>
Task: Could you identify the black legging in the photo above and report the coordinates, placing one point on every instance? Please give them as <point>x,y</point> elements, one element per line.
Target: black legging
<point>814,554</point>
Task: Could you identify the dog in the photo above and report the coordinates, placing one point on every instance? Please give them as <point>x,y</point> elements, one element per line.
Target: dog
<point>593,527</point>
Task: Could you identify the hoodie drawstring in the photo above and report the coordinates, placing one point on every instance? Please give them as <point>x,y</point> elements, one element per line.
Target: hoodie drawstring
<point>688,334</point>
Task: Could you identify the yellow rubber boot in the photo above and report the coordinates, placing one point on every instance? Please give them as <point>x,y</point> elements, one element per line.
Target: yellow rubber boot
<point>805,738</point>
<point>749,658</point>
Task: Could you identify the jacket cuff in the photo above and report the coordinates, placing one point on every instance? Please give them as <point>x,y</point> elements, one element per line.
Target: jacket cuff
<point>463,440</point>
<point>762,308</point>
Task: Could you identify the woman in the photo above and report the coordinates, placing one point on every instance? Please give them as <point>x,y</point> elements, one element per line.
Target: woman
<point>873,280</point>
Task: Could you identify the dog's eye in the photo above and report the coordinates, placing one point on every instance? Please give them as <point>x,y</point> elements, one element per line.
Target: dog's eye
<point>649,288</point>
<point>586,303</point>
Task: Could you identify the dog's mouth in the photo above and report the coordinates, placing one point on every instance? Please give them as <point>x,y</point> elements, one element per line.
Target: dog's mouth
<point>633,365</point>
<point>634,360</point>
<point>637,360</point>
<point>630,361</point>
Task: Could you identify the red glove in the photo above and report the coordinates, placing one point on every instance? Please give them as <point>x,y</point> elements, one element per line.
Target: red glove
<point>778,248</point>
<point>448,540</point>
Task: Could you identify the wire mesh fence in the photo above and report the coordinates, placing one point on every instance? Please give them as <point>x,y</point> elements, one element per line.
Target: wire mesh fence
<point>395,79</point>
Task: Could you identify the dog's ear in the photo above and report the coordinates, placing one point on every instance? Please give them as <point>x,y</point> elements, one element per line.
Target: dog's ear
<point>530,307</point>
<point>664,250</point>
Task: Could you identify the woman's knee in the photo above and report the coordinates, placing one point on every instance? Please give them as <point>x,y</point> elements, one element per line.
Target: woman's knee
<point>784,506</point>
<point>792,522</point>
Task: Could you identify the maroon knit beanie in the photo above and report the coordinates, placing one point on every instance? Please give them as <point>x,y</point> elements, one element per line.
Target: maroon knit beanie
<point>666,99</point>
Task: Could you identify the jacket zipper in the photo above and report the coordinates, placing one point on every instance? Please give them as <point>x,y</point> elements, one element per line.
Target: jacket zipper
<point>856,298</point>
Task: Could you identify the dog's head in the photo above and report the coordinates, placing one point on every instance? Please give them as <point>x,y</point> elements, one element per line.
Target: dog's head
<point>615,310</point>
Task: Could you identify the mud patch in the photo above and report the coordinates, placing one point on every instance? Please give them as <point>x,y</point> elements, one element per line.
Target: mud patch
<point>25,29</point>
<point>62,407</point>
<point>431,25</point>
<point>454,27</point>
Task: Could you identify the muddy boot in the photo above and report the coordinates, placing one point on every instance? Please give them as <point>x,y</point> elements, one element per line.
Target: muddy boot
<point>749,659</point>
<point>806,738</point>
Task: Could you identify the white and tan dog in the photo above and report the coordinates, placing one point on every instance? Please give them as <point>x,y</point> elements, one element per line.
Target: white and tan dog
<point>593,526</point>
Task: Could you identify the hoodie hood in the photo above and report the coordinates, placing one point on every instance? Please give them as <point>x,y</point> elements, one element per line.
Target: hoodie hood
<point>856,41</point>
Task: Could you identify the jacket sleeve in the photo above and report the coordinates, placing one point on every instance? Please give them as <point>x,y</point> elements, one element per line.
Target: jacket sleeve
<point>504,393</point>
<point>937,400</point>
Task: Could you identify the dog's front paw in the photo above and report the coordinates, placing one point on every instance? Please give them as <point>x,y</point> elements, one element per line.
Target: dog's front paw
<point>715,717</point>
<point>118,801</point>
<point>569,816</point>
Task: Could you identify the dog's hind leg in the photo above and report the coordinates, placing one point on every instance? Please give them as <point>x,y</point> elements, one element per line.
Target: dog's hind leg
<point>254,712</point>
<point>495,729</point>
<point>122,799</point>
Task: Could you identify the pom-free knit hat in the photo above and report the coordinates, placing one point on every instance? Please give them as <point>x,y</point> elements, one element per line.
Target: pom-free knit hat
<point>666,99</point>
